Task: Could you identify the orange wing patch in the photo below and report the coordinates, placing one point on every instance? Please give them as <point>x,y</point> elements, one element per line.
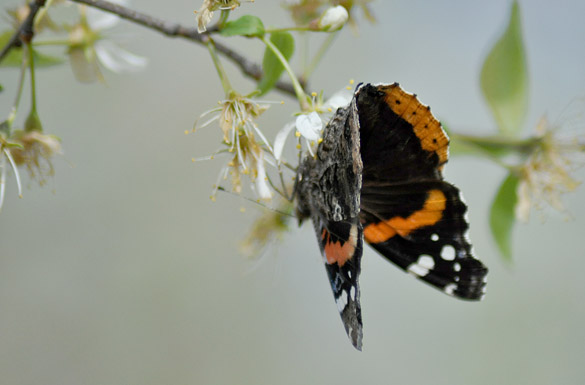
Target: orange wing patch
<point>425,126</point>
<point>431,213</point>
<point>336,252</point>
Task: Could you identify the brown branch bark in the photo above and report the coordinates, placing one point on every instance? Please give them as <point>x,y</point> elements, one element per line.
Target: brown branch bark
<point>247,67</point>
<point>25,32</point>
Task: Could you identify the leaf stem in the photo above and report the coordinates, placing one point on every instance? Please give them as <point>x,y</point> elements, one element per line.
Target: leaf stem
<point>32,123</point>
<point>19,89</point>
<point>33,84</point>
<point>225,83</point>
<point>288,29</point>
<point>498,142</point>
<point>300,93</point>
<point>225,14</point>
<point>318,56</point>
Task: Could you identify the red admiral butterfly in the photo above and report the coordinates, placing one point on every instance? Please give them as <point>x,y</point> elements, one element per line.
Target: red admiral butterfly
<point>377,175</point>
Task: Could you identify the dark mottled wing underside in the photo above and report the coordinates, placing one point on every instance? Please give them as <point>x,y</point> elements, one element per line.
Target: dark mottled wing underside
<point>377,175</point>
<point>329,193</point>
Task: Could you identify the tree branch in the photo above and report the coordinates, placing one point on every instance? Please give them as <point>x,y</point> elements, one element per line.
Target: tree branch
<point>248,67</point>
<point>25,32</point>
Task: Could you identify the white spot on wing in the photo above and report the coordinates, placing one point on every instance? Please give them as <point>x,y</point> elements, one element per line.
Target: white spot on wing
<point>435,237</point>
<point>450,288</point>
<point>352,293</point>
<point>448,253</point>
<point>417,269</point>
<point>422,266</point>
<point>426,261</point>
<point>457,266</point>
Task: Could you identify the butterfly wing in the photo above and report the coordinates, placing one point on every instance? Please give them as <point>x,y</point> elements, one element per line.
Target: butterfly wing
<point>409,214</point>
<point>328,193</point>
<point>341,248</point>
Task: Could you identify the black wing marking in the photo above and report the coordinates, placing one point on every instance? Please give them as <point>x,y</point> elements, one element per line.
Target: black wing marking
<point>421,227</point>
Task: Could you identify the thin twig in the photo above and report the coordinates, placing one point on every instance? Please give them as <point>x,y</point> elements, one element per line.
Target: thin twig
<point>25,32</point>
<point>248,67</point>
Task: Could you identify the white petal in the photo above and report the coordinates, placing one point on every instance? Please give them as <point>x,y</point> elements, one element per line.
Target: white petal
<point>261,184</point>
<point>310,125</point>
<point>100,20</point>
<point>339,99</point>
<point>117,59</point>
<point>203,18</point>
<point>334,18</point>
<point>281,138</point>
<point>522,209</point>
<point>15,170</point>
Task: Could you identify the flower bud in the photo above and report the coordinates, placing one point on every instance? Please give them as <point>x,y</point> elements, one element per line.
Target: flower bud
<point>33,122</point>
<point>333,19</point>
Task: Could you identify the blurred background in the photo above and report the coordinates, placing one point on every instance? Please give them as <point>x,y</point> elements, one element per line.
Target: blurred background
<point>122,271</point>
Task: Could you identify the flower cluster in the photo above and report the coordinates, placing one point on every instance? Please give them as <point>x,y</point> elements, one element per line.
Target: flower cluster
<point>244,141</point>
<point>546,175</point>
<point>31,149</point>
<point>35,152</point>
<point>251,152</point>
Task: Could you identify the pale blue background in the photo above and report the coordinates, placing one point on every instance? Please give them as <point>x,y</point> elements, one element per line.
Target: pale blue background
<point>121,270</point>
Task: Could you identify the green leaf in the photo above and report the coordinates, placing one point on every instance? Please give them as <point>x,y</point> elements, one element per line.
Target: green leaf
<point>504,77</point>
<point>14,57</point>
<point>42,60</point>
<point>246,25</point>
<point>271,66</point>
<point>502,216</point>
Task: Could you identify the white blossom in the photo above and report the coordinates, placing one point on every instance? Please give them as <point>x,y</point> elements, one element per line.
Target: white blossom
<point>90,47</point>
<point>243,141</point>
<point>546,175</point>
<point>310,125</point>
<point>333,19</point>
<point>109,54</point>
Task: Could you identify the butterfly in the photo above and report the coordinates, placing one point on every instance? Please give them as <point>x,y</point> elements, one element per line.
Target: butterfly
<point>377,175</point>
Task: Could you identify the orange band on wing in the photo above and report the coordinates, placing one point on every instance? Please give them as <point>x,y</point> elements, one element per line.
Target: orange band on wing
<point>427,129</point>
<point>335,252</point>
<point>431,213</point>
